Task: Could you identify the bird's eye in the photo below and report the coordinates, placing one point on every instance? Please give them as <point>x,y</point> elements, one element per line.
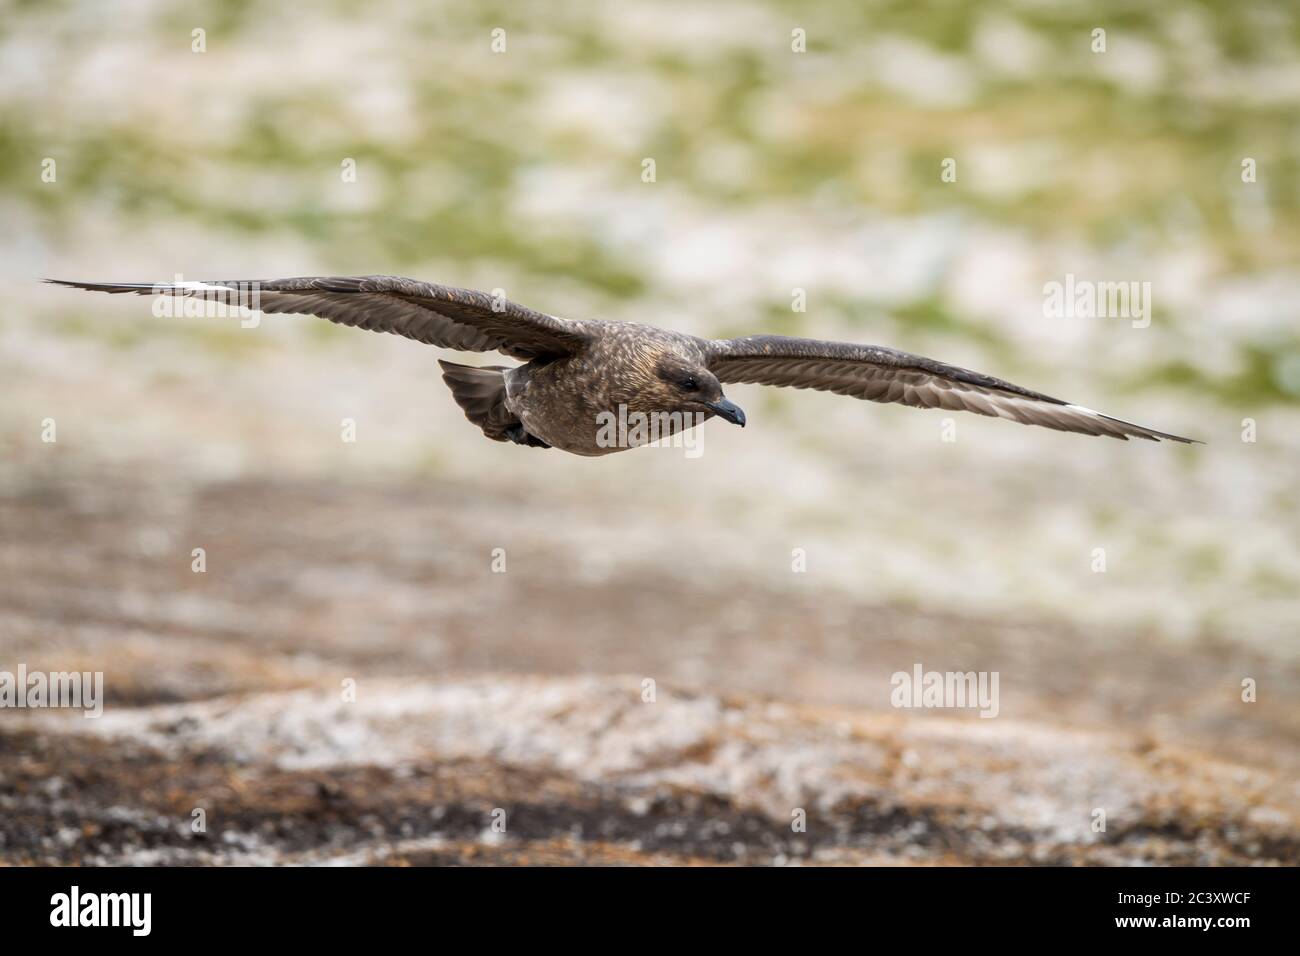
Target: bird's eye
<point>689,384</point>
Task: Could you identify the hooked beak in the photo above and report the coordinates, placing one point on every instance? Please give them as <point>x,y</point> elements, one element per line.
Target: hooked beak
<point>728,410</point>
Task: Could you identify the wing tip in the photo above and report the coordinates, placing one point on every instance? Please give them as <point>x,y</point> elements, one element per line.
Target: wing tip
<point>104,286</point>
<point>1156,436</point>
<point>1139,431</point>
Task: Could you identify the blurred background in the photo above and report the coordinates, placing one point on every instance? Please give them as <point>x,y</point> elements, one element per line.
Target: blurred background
<point>226,154</point>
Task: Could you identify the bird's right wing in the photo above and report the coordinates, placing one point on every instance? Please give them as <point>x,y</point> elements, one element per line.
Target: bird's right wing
<point>433,314</point>
<point>887,375</point>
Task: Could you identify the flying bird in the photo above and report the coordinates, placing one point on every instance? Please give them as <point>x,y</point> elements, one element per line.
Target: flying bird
<point>577,373</point>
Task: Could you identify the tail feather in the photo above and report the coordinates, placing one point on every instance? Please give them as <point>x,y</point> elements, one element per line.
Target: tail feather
<point>481,394</point>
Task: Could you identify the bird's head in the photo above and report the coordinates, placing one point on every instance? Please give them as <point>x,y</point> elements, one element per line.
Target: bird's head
<point>685,386</point>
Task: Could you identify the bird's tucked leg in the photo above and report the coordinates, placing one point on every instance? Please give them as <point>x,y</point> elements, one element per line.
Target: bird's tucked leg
<point>517,435</point>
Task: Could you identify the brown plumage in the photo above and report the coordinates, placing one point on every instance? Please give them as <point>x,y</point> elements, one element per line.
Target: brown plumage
<point>579,374</point>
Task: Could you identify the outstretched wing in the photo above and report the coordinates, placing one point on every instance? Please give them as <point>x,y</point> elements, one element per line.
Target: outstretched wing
<point>433,314</point>
<point>886,375</point>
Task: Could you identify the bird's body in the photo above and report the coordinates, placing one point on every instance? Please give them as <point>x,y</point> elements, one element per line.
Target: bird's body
<point>579,377</point>
<point>562,401</point>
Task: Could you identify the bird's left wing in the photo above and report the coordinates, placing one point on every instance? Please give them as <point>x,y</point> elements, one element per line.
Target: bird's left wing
<point>433,314</point>
<point>887,375</point>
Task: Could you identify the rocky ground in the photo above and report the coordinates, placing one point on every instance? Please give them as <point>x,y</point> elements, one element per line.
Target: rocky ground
<point>478,692</point>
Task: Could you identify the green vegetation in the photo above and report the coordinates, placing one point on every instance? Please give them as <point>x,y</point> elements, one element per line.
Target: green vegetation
<point>1126,153</point>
